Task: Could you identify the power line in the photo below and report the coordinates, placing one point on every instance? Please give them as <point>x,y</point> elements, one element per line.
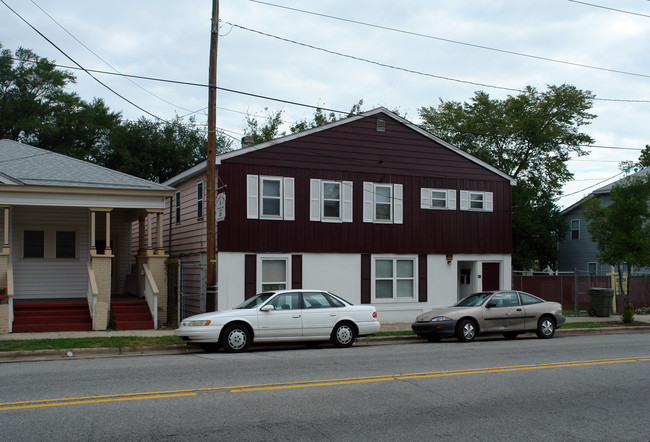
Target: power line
<point>79,65</point>
<point>589,187</point>
<point>417,34</point>
<point>104,61</point>
<point>610,9</point>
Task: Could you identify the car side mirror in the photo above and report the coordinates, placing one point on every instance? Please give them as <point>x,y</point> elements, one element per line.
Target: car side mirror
<point>267,308</point>
<point>491,304</point>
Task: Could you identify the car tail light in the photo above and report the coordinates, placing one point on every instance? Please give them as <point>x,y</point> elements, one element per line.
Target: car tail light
<point>374,315</point>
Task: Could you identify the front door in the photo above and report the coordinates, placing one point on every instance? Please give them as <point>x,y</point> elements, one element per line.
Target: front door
<point>285,320</point>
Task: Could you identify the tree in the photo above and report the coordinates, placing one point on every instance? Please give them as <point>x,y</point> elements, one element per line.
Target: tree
<point>621,229</point>
<point>268,131</point>
<point>530,137</point>
<point>35,108</point>
<point>157,151</point>
<point>320,118</point>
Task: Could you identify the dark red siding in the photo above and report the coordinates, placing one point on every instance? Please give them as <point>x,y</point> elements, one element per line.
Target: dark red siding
<point>357,152</point>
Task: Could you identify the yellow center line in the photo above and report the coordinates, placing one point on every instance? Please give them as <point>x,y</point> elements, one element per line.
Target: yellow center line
<point>308,383</point>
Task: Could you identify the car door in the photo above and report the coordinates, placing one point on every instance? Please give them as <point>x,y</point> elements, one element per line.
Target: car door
<point>284,321</point>
<point>318,315</point>
<point>503,313</point>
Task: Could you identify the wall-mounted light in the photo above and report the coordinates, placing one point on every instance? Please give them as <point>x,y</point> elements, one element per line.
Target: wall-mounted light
<point>450,258</point>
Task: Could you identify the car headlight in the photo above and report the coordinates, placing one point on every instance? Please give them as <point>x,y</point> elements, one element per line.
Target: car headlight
<point>196,323</point>
<point>440,318</point>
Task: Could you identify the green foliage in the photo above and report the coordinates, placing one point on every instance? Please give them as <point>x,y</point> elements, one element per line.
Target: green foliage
<point>320,118</point>
<point>35,108</point>
<point>269,130</point>
<point>157,151</point>
<point>530,137</point>
<point>121,342</point>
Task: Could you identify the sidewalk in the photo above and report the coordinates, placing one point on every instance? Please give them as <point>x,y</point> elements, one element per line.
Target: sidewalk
<point>390,326</point>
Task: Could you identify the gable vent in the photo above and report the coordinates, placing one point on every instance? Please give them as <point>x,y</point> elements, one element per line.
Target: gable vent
<point>381,125</point>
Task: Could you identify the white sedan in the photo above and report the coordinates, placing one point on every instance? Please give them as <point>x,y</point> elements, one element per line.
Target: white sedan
<point>281,316</point>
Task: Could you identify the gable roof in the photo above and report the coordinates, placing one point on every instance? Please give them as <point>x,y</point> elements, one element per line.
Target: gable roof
<point>202,166</point>
<point>25,165</point>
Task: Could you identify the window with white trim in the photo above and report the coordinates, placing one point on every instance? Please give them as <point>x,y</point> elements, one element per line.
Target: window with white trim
<point>177,207</point>
<point>49,244</point>
<point>441,199</point>
<point>33,244</point>
<point>274,272</point>
<point>383,203</point>
<point>65,244</point>
<point>199,200</point>
<point>394,277</point>
<point>476,201</point>
<point>575,229</point>
<point>269,197</point>
<point>330,201</point>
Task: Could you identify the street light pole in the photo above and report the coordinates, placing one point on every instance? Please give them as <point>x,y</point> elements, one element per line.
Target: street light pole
<point>211,290</point>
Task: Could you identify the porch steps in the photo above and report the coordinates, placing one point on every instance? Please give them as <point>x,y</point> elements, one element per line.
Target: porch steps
<point>48,316</point>
<point>132,314</point>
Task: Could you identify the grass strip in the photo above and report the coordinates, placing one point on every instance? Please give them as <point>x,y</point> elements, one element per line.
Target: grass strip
<point>118,342</point>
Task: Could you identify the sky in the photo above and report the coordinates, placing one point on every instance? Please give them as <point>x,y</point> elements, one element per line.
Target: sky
<point>333,53</point>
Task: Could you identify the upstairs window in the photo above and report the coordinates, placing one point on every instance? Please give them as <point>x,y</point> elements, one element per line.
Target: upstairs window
<point>270,197</point>
<point>382,203</point>
<point>178,207</point>
<point>476,201</point>
<point>444,199</point>
<point>199,200</point>
<point>575,229</point>
<point>330,201</point>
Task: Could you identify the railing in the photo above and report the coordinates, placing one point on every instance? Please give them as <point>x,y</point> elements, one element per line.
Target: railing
<point>150,292</point>
<point>92,292</point>
<point>10,294</point>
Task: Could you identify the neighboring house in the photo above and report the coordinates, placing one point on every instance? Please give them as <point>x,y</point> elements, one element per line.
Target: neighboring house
<point>578,251</point>
<point>66,229</point>
<point>372,208</point>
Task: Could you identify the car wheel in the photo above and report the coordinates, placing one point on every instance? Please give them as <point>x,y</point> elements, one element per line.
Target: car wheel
<point>510,335</point>
<point>545,328</point>
<point>432,338</point>
<point>343,335</point>
<point>210,347</point>
<point>235,338</point>
<point>466,330</point>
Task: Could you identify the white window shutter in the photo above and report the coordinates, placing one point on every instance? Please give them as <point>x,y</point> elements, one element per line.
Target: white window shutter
<point>346,196</point>
<point>368,202</point>
<point>451,199</point>
<point>289,200</point>
<point>425,198</point>
<point>252,197</point>
<point>314,200</point>
<point>464,200</point>
<point>489,203</point>
<point>398,204</point>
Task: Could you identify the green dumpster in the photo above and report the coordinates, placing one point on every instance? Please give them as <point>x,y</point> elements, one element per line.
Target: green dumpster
<point>601,301</point>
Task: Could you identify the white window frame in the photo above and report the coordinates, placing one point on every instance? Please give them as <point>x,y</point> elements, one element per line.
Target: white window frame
<point>575,230</point>
<point>49,243</point>
<point>426,199</point>
<point>396,202</point>
<point>394,258</point>
<point>260,263</point>
<point>254,200</point>
<point>177,207</point>
<point>200,198</point>
<point>466,199</point>
<point>271,179</point>
<point>317,201</point>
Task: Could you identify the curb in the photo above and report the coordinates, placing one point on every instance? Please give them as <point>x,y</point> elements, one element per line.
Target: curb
<point>87,353</point>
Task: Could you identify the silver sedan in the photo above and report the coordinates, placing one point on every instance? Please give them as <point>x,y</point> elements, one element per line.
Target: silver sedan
<point>506,312</point>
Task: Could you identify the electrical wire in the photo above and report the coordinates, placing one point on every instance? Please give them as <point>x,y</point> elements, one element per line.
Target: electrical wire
<point>80,66</point>
<point>610,9</point>
<point>417,34</point>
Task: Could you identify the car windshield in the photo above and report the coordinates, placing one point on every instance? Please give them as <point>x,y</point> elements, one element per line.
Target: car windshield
<point>473,300</point>
<point>255,300</point>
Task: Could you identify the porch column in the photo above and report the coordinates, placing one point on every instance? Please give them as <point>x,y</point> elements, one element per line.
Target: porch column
<point>149,247</point>
<point>141,235</point>
<point>93,249</point>
<point>5,245</point>
<point>159,230</point>
<point>107,250</point>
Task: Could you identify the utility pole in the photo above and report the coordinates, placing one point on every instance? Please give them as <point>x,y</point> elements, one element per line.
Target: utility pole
<point>211,290</point>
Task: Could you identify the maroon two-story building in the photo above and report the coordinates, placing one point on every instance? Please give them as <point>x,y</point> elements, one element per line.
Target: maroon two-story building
<point>371,207</point>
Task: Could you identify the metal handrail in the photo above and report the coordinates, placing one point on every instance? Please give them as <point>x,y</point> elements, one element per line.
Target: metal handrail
<point>151,292</point>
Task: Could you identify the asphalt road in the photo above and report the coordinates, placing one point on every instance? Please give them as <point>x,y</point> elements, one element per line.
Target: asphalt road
<point>591,387</point>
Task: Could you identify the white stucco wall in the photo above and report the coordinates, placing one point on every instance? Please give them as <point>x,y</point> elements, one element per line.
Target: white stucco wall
<point>341,274</point>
